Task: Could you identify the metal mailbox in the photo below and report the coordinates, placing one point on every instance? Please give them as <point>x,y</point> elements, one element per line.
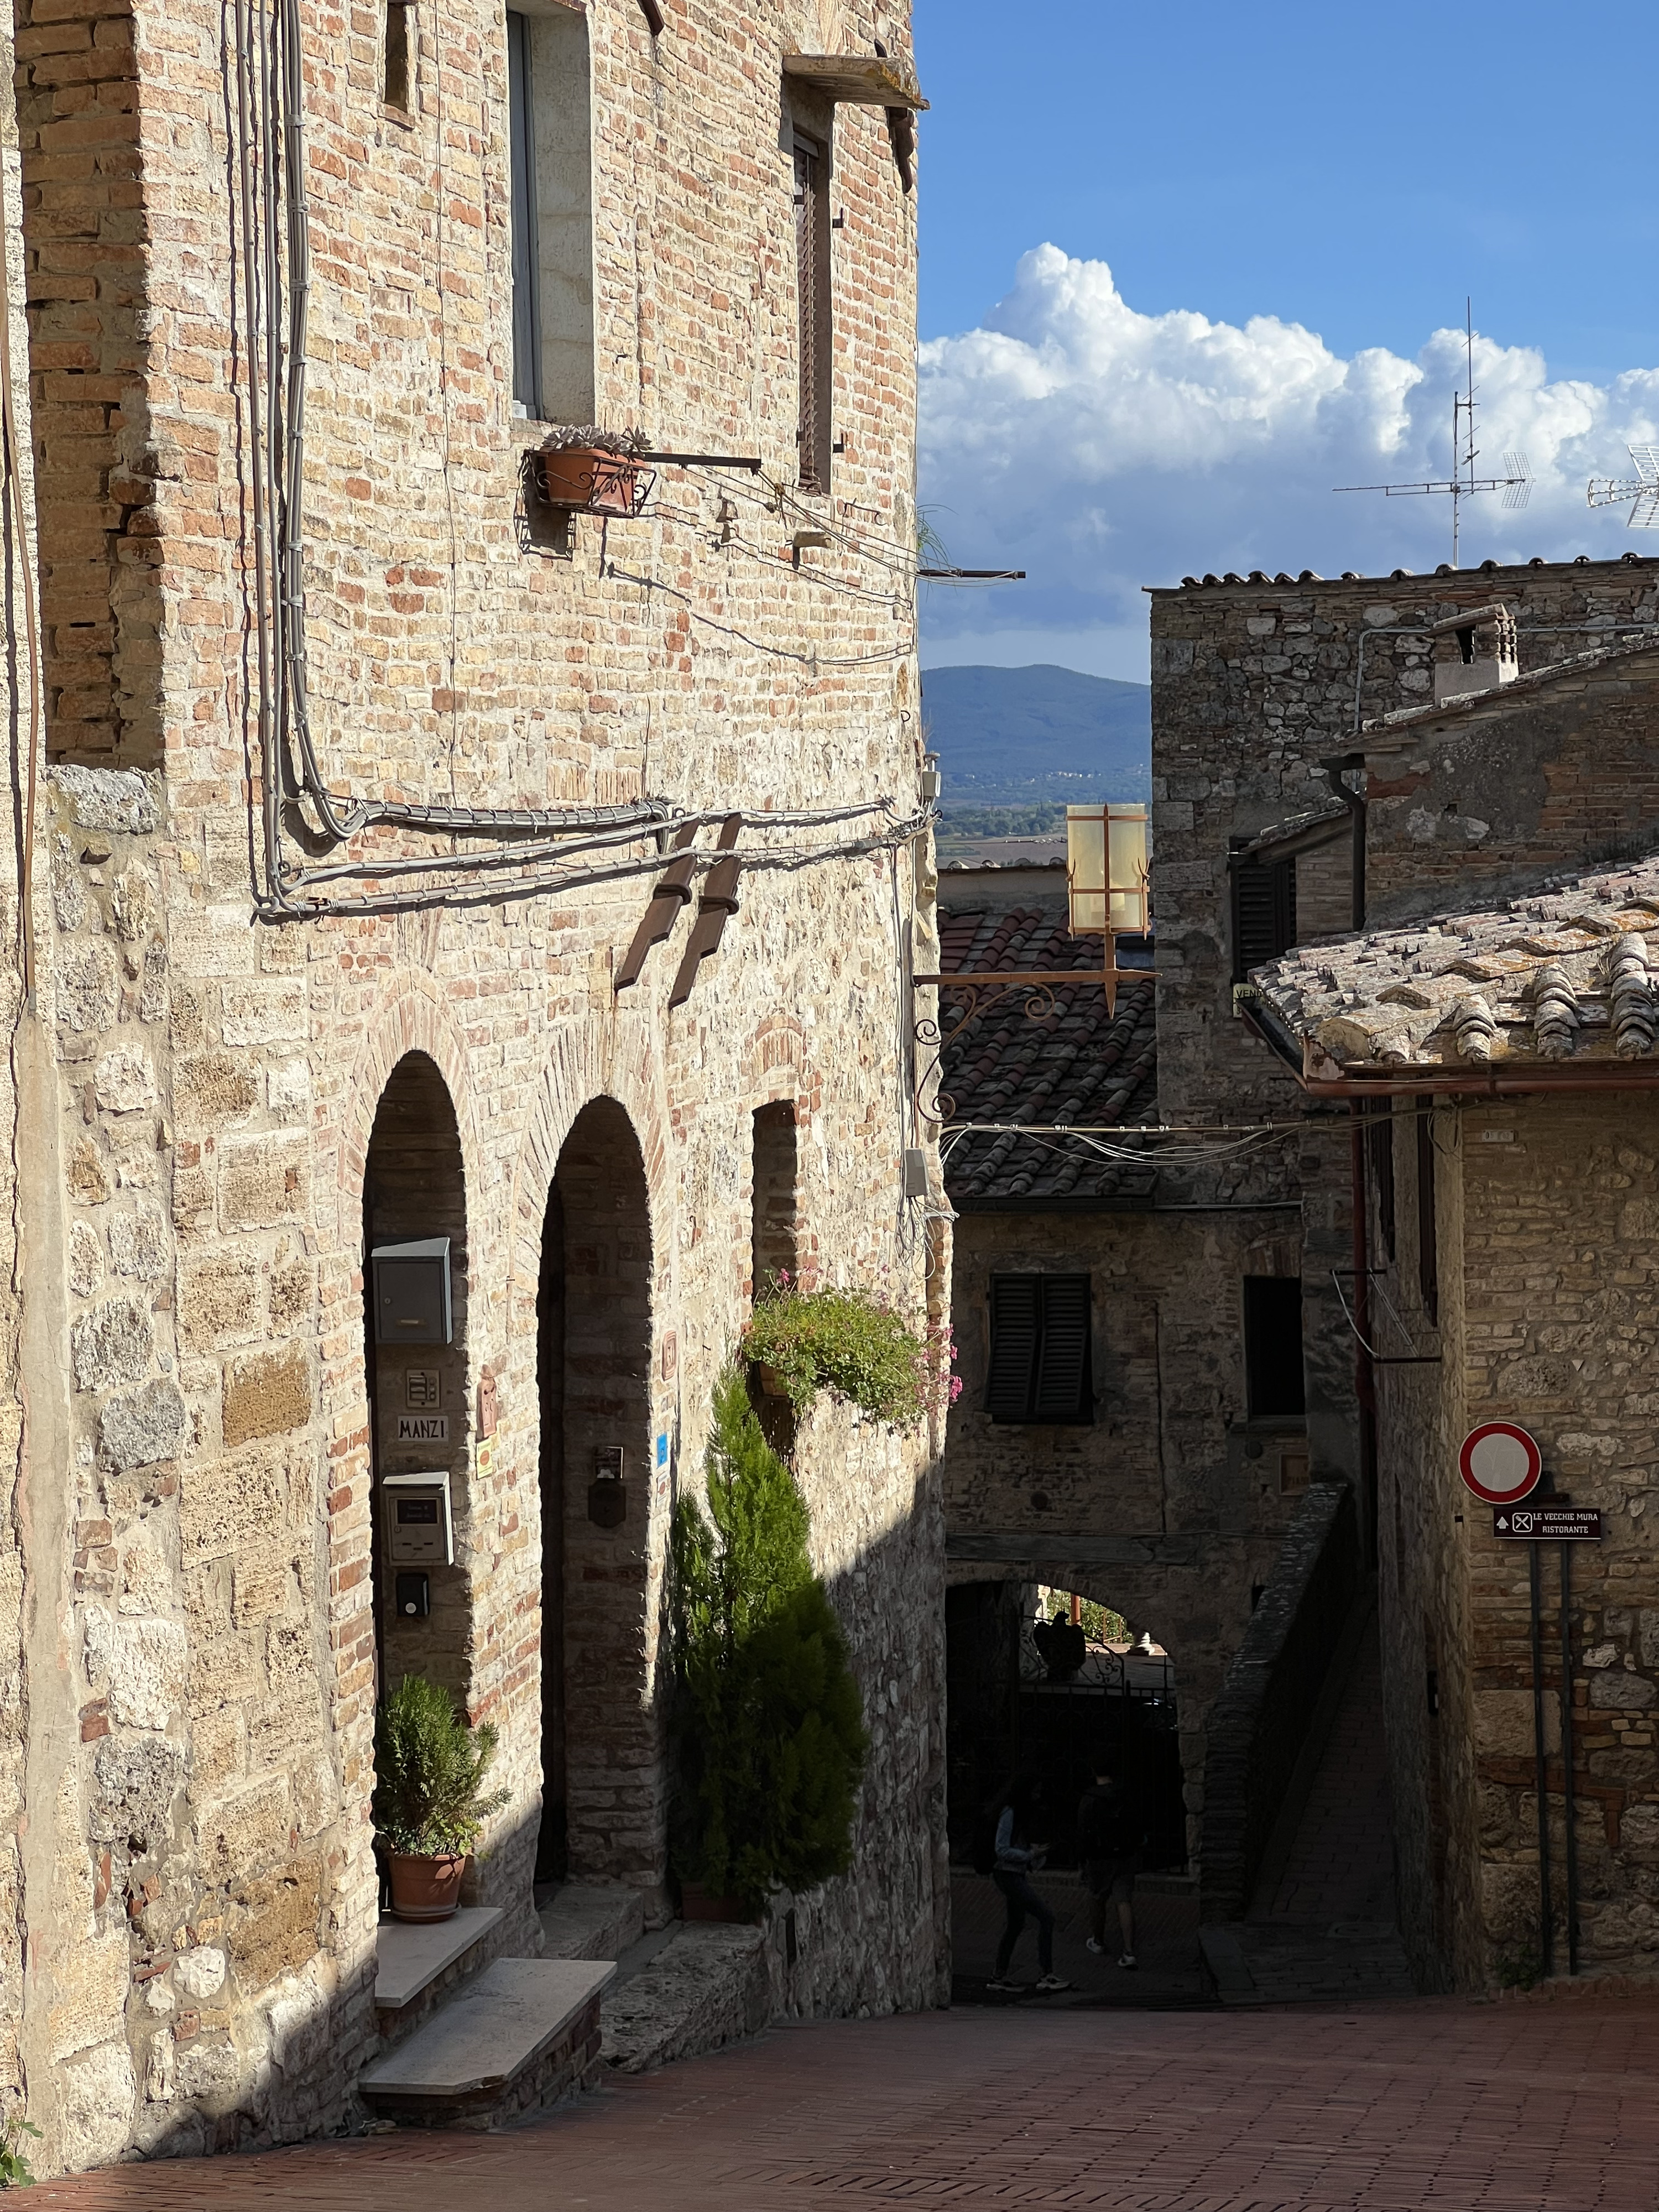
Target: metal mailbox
<point>419,1529</point>
<point>411,1293</point>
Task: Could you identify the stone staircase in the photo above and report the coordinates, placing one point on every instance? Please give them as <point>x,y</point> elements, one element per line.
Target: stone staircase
<point>1320,1926</point>
<point>472,2040</point>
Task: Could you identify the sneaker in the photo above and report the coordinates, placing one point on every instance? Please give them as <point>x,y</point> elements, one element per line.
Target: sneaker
<point>1127,1959</point>
<point>1099,1949</point>
<point>1004,1989</point>
<point>1050,1983</point>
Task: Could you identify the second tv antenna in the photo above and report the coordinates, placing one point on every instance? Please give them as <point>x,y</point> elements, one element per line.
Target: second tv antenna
<point>1515,483</point>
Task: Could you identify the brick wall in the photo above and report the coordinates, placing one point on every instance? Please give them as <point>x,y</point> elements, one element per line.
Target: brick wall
<point>84,233</point>
<point>218,1083</point>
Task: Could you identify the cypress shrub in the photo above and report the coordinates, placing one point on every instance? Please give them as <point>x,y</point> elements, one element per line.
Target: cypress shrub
<point>766,1721</point>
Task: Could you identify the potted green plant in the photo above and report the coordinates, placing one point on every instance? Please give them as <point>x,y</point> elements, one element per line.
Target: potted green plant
<point>430,1804</point>
<point>765,1720</point>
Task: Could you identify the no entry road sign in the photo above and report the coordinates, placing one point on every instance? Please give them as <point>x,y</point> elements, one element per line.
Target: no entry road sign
<point>1547,1524</point>
<point>1500,1462</point>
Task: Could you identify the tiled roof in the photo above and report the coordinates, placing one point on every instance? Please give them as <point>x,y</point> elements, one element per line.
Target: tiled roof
<point>1569,974</point>
<point>1077,1066</point>
<point>1259,576</point>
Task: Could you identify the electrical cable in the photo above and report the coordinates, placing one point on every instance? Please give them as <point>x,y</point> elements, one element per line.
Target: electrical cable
<point>785,859</point>
<point>772,651</point>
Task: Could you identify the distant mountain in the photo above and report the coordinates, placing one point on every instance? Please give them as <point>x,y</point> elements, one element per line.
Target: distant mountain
<point>1008,735</point>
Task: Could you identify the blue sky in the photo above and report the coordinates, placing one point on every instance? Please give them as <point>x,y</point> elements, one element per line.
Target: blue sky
<point>1276,207</point>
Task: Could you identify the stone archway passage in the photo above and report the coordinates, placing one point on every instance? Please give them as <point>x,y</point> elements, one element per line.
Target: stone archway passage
<point>601,1767</point>
<point>415,1190</point>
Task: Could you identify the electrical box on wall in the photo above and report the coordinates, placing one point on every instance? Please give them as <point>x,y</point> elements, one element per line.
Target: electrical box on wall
<point>411,1293</point>
<point>419,1531</point>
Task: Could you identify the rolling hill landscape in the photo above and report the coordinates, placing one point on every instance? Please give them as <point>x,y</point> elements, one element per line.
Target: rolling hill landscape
<point>1010,738</point>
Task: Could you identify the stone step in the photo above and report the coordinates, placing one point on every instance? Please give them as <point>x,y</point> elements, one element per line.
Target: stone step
<point>591,1921</point>
<point>521,2034</point>
<point>418,1963</point>
<point>706,1987</point>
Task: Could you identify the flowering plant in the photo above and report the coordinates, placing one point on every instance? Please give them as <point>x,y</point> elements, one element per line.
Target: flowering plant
<point>844,1341</point>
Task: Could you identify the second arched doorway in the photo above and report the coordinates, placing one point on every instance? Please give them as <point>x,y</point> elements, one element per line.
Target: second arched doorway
<point>602,1801</point>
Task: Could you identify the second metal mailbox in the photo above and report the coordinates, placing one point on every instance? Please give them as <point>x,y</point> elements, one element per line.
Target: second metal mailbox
<point>411,1293</point>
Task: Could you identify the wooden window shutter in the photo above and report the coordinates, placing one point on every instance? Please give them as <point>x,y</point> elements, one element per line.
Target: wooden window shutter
<point>1380,1145</point>
<point>1062,1369</point>
<point>812,285</point>
<point>1428,1255</point>
<point>1015,1321</point>
<point>1264,913</point>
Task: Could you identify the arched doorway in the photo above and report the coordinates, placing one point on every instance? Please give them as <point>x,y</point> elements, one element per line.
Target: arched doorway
<point>602,1780</point>
<point>1009,1708</point>
<point>414,1311</point>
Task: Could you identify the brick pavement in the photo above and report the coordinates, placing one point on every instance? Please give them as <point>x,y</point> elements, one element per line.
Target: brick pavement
<point>1388,2108</point>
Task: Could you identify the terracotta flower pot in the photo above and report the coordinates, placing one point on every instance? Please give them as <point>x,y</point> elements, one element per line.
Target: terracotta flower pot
<point>425,1889</point>
<point>697,1904</point>
<point>591,477</point>
<point>772,1384</point>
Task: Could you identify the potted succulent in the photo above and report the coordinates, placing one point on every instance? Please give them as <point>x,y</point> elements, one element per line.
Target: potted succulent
<point>595,470</point>
<point>430,1804</point>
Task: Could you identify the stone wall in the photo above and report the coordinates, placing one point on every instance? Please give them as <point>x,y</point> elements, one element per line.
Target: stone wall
<point>1481,807</point>
<point>20,1093</point>
<point>200,1899</point>
<point>1546,1214</point>
<point>1172,1506</point>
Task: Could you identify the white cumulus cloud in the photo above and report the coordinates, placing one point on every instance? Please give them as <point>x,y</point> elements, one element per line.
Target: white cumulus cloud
<point>1102,449</point>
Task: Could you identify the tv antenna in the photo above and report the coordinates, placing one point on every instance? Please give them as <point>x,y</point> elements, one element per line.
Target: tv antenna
<point>1608,491</point>
<point>1516,482</point>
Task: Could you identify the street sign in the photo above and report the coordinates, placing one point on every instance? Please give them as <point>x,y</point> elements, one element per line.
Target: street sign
<point>1547,1524</point>
<point>1500,1462</point>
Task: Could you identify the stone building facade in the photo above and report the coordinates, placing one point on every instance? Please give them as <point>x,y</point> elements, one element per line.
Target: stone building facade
<point>1502,1055</point>
<point>1170,1499</point>
<point>1286,712</point>
<point>332,912</point>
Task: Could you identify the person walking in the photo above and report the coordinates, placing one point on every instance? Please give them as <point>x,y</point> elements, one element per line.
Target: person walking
<point>1109,1844</point>
<point>1018,1854</point>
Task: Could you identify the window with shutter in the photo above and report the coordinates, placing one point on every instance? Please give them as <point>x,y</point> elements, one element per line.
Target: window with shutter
<point>1040,1368</point>
<point>521,144</point>
<point>1264,913</point>
<point>812,290</point>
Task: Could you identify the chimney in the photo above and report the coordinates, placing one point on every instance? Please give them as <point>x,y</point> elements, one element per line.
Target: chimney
<point>1474,651</point>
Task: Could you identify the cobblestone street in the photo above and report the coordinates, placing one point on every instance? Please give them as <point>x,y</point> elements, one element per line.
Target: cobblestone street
<point>1525,2107</point>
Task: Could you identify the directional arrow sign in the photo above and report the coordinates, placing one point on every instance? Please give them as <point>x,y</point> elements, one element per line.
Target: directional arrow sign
<point>1500,1462</point>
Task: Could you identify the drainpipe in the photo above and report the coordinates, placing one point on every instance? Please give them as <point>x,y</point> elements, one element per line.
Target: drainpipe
<point>1365,1380</point>
<point>1333,770</point>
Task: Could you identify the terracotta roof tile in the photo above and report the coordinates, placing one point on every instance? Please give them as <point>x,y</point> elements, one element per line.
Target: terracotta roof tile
<point>1075,1065</point>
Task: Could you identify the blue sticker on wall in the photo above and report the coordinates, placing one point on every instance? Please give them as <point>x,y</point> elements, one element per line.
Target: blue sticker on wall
<point>662,1449</point>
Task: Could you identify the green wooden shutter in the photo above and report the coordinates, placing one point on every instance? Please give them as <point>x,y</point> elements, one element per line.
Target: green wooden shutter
<point>1062,1369</point>
<point>1015,1324</point>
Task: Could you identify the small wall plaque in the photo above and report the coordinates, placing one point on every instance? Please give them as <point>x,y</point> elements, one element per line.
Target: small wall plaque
<point>422,1428</point>
<point>487,1404</point>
